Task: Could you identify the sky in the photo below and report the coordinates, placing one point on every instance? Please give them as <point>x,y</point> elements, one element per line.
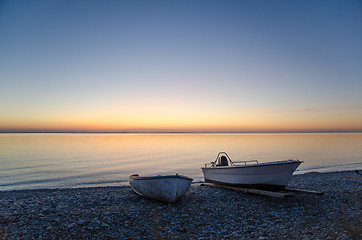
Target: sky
<point>180,66</point>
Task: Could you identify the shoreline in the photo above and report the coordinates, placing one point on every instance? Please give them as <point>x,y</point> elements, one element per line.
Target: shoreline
<point>116,212</point>
<point>125,183</point>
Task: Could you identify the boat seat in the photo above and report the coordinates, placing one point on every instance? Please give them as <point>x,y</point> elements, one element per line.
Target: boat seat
<point>223,161</point>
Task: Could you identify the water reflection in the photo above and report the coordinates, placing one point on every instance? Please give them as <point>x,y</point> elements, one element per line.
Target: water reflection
<point>67,160</point>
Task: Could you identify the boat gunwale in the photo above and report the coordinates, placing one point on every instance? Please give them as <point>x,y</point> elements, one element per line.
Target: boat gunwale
<point>137,177</point>
<point>256,165</point>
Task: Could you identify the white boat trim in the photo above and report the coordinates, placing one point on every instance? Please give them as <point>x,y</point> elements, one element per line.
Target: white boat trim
<point>137,177</point>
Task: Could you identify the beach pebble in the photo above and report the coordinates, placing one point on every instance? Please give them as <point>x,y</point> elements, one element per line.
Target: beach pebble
<point>204,212</point>
<point>71,225</point>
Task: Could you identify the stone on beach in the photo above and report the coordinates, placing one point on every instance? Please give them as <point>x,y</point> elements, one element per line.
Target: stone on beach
<point>202,213</point>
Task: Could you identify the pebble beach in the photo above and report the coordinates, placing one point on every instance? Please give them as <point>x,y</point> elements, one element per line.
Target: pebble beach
<point>204,212</point>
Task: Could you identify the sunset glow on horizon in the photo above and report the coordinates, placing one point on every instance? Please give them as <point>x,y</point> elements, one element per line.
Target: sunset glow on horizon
<point>180,66</point>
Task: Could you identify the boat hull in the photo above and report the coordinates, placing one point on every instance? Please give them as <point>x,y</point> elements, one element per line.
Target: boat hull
<point>272,176</point>
<point>163,188</point>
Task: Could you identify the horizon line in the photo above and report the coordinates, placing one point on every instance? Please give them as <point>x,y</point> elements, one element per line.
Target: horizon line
<point>182,132</point>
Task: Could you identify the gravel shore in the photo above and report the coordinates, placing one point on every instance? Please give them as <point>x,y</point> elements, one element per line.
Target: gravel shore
<point>204,212</point>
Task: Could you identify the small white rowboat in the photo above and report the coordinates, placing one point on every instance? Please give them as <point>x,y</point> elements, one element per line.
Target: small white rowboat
<point>167,188</point>
<point>270,175</point>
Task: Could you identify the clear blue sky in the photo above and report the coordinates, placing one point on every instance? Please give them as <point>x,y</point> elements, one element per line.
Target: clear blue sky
<point>181,65</point>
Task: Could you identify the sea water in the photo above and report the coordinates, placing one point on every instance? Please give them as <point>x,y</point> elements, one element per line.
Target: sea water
<point>56,160</point>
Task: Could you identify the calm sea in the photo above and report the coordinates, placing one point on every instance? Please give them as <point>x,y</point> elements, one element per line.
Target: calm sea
<point>30,161</point>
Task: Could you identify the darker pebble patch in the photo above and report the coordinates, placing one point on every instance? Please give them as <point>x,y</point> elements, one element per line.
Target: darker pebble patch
<point>202,213</point>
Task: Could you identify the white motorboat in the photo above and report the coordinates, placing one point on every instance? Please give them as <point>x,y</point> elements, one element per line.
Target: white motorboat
<point>269,175</point>
<point>167,188</point>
